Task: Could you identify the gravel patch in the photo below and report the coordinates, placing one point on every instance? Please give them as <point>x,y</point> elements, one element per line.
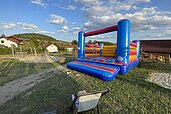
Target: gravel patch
<point>162,79</point>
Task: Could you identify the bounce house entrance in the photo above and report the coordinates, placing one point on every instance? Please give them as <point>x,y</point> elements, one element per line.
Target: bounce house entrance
<point>108,60</point>
<point>100,53</point>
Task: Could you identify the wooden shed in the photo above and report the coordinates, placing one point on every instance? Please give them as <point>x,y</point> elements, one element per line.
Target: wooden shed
<point>157,48</point>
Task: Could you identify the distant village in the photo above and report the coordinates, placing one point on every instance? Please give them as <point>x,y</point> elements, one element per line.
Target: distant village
<point>12,42</point>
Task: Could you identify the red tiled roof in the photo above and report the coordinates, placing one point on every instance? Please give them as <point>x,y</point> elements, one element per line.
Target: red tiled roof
<point>14,39</point>
<point>160,46</point>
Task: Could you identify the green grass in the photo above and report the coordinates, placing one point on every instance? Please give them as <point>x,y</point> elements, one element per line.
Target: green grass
<point>10,70</point>
<point>156,66</point>
<point>130,94</point>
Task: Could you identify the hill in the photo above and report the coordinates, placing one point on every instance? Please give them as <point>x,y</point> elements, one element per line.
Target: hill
<point>35,36</point>
<point>36,40</point>
<point>40,41</point>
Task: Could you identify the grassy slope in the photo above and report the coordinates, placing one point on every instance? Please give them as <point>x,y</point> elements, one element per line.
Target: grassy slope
<point>36,40</point>
<point>39,41</point>
<point>130,93</point>
<point>10,70</point>
<point>35,36</point>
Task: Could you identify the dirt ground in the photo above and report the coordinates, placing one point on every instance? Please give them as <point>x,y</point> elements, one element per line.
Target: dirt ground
<point>37,59</point>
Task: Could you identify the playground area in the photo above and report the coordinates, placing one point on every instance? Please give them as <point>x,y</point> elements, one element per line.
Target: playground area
<point>41,84</point>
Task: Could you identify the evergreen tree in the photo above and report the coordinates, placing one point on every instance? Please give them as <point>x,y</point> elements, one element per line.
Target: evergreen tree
<point>74,42</point>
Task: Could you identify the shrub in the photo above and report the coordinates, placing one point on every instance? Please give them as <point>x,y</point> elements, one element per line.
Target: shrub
<point>5,51</point>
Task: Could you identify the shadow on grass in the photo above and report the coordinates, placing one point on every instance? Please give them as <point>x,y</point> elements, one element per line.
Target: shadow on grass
<point>53,94</point>
<point>155,65</point>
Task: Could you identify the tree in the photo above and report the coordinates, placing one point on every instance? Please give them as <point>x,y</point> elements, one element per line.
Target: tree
<point>95,42</point>
<point>2,36</point>
<point>90,42</point>
<point>74,42</point>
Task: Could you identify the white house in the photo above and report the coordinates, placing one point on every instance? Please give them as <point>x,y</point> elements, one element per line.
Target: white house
<point>7,42</point>
<point>70,49</point>
<point>52,48</point>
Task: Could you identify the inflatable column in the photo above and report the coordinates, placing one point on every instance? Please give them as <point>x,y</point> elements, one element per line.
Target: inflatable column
<point>123,41</point>
<point>101,47</point>
<point>81,45</point>
<point>138,48</point>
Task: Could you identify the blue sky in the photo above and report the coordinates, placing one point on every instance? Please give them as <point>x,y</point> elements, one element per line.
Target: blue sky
<point>62,19</point>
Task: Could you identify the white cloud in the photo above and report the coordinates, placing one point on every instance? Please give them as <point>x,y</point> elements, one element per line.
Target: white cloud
<point>13,25</point>
<point>10,25</point>
<point>56,19</point>
<point>39,2</point>
<point>138,21</point>
<point>70,7</point>
<point>92,36</point>
<point>162,34</point>
<point>100,36</point>
<point>98,7</point>
<point>87,24</point>
<point>87,2</point>
<point>96,10</point>
<point>45,32</point>
<point>108,7</point>
<point>26,26</point>
<point>142,19</point>
<point>76,28</point>
<point>90,25</point>
<point>143,0</point>
<point>145,20</point>
<point>63,29</point>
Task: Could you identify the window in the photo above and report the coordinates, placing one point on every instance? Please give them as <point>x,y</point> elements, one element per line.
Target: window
<point>2,41</point>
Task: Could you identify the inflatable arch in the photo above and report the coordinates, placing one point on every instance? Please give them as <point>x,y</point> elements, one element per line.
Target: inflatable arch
<point>105,62</point>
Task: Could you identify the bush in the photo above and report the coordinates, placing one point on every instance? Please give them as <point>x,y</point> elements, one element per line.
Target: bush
<point>5,51</point>
<point>74,42</point>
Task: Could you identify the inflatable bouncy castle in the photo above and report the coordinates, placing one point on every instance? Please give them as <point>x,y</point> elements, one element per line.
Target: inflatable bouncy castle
<point>106,62</point>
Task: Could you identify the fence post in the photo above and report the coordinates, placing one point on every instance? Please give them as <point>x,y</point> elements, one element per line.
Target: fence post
<point>35,53</point>
<point>12,49</point>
